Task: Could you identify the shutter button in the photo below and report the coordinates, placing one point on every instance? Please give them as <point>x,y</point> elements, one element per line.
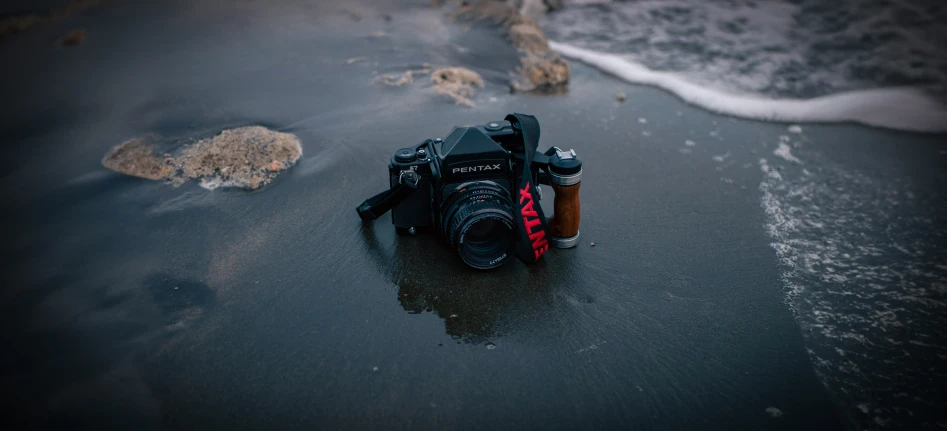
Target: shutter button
<point>405,155</point>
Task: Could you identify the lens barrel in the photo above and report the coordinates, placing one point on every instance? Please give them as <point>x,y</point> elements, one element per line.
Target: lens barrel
<point>477,221</point>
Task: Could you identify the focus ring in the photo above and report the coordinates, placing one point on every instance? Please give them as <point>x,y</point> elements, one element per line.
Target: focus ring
<point>473,209</point>
<point>468,193</point>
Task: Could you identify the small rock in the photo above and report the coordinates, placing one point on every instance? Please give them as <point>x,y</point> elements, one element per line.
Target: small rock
<point>620,97</point>
<point>395,79</point>
<point>457,83</point>
<point>73,38</point>
<point>14,24</point>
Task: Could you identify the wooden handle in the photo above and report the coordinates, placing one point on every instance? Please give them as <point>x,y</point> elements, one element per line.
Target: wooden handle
<point>565,221</point>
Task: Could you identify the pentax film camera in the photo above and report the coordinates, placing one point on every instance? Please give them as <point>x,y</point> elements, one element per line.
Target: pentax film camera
<point>478,190</point>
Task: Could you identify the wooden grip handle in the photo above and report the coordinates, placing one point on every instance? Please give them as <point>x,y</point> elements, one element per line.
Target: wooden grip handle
<point>565,221</point>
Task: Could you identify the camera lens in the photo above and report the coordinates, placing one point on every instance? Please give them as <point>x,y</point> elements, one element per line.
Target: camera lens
<point>478,223</point>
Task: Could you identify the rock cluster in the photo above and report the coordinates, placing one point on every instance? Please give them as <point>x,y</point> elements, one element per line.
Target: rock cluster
<point>540,67</point>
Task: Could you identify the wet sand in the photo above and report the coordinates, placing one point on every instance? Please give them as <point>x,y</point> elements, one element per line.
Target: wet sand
<point>134,304</point>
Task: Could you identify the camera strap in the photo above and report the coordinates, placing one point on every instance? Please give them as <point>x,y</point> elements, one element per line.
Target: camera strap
<point>375,206</point>
<point>532,230</point>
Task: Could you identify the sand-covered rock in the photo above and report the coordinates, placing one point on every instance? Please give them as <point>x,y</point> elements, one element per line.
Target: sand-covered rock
<point>540,67</point>
<point>528,37</point>
<point>496,11</point>
<point>457,83</point>
<point>542,71</point>
<point>247,157</point>
<point>139,158</point>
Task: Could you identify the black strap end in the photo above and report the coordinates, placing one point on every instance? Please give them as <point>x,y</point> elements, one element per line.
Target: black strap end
<point>365,212</point>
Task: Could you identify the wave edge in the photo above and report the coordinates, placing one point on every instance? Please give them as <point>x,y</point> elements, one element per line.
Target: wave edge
<point>899,108</point>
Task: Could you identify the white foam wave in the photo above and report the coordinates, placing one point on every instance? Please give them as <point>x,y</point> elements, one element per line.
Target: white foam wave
<point>895,108</point>
<point>784,152</point>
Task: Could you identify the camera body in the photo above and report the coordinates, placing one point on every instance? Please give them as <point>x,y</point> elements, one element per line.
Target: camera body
<point>467,154</point>
<point>478,189</point>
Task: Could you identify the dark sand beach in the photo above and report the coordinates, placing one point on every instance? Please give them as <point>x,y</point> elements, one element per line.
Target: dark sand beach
<point>133,304</point>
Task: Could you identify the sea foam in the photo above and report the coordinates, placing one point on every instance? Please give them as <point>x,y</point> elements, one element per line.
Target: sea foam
<point>858,252</point>
<point>898,108</point>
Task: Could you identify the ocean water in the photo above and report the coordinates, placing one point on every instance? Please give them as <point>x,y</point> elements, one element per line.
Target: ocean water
<point>881,63</point>
<point>861,249</point>
<point>778,48</point>
<point>863,267</point>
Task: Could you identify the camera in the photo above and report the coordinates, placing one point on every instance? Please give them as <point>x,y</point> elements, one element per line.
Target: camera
<point>477,189</point>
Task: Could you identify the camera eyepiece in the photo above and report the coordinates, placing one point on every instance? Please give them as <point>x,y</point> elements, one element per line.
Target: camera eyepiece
<point>478,223</point>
